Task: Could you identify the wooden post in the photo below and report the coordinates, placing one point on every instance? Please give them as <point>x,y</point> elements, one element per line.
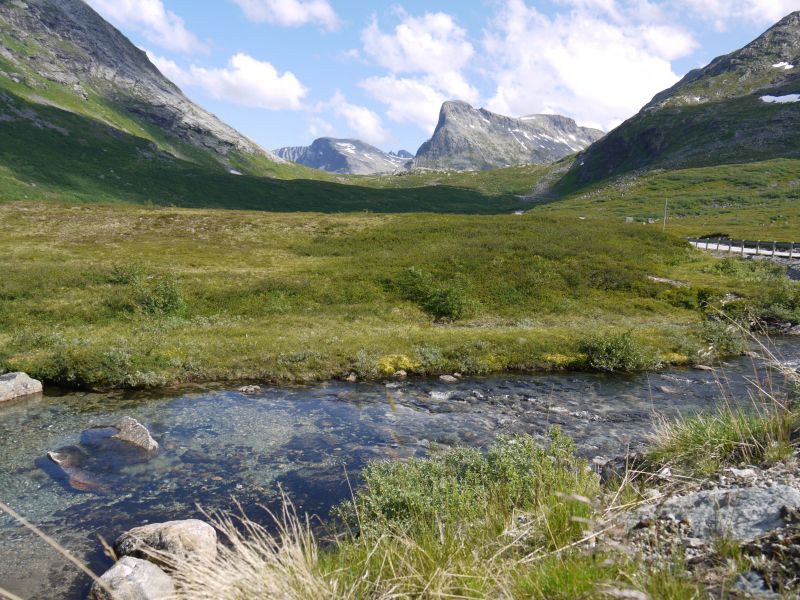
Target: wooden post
<point>743,241</point>
<point>758,247</point>
<point>730,246</point>
<point>774,246</point>
<point>717,248</point>
<point>791,251</point>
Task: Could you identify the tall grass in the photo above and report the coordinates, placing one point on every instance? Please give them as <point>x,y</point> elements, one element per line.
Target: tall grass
<point>735,435</point>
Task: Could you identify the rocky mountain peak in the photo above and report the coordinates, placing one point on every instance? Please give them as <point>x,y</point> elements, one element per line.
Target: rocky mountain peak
<point>468,139</point>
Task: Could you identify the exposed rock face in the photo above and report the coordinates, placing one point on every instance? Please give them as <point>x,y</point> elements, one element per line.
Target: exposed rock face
<point>179,539</point>
<point>130,431</point>
<point>468,139</point>
<point>720,114</point>
<point>343,156</point>
<point>18,385</point>
<point>740,513</point>
<point>134,579</point>
<point>77,48</point>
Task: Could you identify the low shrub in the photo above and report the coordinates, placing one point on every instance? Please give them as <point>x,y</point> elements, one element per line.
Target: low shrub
<point>438,299</point>
<point>615,353</point>
<point>157,296</point>
<point>456,488</point>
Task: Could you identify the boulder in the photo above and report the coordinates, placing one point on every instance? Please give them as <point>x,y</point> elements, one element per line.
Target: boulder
<point>130,431</point>
<point>448,379</point>
<point>160,541</point>
<point>250,389</point>
<point>18,385</point>
<point>133,579</point>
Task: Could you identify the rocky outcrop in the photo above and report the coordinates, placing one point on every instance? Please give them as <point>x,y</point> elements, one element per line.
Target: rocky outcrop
<point>161,542</point>
<point>18,385</point>
<point>756,510</point>
<point>468,139</point>
<point>79,51</point>
<point>344,156</point>
<point>133,579</point>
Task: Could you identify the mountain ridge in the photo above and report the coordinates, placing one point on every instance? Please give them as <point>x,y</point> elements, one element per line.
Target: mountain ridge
<point>343,156</point>
<point>722,113</point>
<point>64,54</point>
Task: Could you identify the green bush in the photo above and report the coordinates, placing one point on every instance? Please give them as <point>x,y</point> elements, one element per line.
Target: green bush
<point>724,338</point>
<point>614,353</point>
<point>457,487</point>
<point>158,296</point>
<point>438,299</point>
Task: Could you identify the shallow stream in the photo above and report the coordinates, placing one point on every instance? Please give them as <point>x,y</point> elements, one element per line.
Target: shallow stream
<point>220,446</point>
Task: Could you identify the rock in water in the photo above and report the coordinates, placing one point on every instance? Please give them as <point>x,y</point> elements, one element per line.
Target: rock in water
<point>18,385</point>
<point>134,579</point>
<point>67,459</point>
<point>160,541</point>
<point>468,139</point>
<point>134,433</point>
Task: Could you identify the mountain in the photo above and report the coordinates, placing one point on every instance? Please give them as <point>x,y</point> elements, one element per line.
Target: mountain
<point>742,107</point>
<point>468,139</point>
<point>343,156</point>
<point>62,54</point>
<point>402,154</point>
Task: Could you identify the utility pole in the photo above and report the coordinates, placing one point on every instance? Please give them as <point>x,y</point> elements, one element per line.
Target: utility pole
<point>666,204</point>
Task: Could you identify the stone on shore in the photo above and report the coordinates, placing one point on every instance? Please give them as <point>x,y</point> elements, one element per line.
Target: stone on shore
<point>159,542</point>
<point>18,385</point>
<point>130,431</point>
<point>133,579</point>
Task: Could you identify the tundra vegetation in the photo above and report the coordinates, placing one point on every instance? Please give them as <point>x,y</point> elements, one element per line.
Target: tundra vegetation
<point>104,296</point>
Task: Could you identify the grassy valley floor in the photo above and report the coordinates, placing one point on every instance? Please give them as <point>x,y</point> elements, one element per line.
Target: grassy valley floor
<point>119,296</point>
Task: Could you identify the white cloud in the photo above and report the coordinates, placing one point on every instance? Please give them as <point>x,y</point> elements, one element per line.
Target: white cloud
<point>724,12</point>
<point>363,122</point>
<point>149,17</point>
<point>426,57</point>
<point>597,63</point>
<point>290,13</point>
<point>246,81</point>
<point>319,127</point>
<point>408,100</point>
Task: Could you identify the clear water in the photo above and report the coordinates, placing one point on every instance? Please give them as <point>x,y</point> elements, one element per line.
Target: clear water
<point>220,446</point>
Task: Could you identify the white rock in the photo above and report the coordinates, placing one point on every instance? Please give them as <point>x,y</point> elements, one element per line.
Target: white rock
<point>17,385</point>
<point>134,579</point>
<point>448,379</point>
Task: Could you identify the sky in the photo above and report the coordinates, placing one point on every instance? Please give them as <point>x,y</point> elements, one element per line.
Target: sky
<point>285,72</point>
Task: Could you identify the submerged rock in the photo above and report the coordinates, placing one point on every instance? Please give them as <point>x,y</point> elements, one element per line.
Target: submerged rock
<point>67,460</point>
<point>18,385</point>
<point>133,579</point>
<point>158,542</point>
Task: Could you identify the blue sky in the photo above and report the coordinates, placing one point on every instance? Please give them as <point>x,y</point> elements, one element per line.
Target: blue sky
<point>286,71</point>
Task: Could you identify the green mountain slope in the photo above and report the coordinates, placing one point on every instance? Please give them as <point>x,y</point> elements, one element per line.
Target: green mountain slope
<point>715,115</point>
<point>62,54</point>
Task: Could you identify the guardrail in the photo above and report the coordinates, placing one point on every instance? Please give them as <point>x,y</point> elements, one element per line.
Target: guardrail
<point>744,247</point>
